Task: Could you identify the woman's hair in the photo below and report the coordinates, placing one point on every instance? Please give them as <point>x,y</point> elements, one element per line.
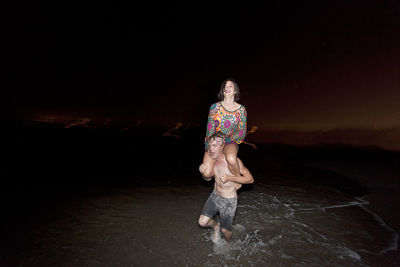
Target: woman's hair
<point>221,90</point>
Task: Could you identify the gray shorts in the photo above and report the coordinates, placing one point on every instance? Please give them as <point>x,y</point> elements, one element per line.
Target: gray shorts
<point>225,206</point>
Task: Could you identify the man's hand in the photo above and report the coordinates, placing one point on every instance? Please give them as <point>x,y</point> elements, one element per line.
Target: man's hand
<point>224,179</point>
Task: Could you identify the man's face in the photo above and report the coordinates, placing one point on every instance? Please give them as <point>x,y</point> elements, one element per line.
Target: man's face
<point>215,148</point>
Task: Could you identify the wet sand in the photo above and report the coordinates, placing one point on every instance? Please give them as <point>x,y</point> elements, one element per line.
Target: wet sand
<point>75,204</point>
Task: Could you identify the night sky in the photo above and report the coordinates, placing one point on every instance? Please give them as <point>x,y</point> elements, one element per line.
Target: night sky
<point>300,64</point>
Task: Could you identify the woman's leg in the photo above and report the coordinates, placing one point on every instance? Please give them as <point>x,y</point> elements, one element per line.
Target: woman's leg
<point>231,151</point>
<point>209,162</point>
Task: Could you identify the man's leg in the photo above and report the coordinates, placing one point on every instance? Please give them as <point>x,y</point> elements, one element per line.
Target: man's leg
<point>227,215</point>
<point>205,221</point>
<point>208,212</point>
<point>227,234</point>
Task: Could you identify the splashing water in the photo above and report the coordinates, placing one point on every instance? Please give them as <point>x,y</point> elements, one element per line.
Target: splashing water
<point>291,226</point>
<point>246,245</point>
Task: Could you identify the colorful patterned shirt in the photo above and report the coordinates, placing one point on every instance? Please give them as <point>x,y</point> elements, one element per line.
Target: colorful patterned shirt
<point>233,124</point>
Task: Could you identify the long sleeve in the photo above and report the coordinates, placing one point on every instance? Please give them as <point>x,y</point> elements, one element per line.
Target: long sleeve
<point>210,124</point>
<point>240,133</point>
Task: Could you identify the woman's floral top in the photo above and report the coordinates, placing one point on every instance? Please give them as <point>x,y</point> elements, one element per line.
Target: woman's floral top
<point>233,124</point>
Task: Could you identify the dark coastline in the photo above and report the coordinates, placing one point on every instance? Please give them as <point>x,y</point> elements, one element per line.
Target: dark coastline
<point>82,156</point>
<point>53,165</point>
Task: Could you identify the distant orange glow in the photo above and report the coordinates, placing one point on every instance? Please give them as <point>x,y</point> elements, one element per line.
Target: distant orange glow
<point>80,122</point>
<point>173,131</point>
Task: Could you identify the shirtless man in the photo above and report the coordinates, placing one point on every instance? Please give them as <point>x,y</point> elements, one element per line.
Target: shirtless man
<point>224,197</point>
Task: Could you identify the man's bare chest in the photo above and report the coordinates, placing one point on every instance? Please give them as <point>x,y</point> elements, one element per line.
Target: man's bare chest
<point>221,168</point>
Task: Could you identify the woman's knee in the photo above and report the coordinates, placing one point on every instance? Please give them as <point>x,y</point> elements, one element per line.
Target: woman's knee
<point>230,152</point>
<point>231,158</point>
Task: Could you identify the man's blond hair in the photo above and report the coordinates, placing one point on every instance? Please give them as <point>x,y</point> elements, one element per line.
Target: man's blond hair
<point>217,135</point>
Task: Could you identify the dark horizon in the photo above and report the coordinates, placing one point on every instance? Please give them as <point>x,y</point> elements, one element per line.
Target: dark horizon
<point>300,65</point>
<point>386,139</point>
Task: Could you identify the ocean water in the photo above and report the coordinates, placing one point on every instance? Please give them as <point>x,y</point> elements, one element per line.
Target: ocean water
<point>286,226</point>
<point>100,198</point>
<point>155,224</point>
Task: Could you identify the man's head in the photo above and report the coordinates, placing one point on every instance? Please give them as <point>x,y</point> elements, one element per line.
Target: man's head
<point>216,145</point>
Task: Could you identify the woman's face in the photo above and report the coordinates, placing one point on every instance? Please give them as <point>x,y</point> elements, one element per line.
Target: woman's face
<point>229,88</point>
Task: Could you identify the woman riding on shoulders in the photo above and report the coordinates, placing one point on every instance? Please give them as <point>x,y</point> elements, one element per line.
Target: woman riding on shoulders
<point>230,118</point>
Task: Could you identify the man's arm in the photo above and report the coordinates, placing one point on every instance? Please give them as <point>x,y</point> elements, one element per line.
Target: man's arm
<point>206,172</point>
<point>245,176</point>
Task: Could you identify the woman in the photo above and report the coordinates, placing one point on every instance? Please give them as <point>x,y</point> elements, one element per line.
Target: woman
<point>230,118</point>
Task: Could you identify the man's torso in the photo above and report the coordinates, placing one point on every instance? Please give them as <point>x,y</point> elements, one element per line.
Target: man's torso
<point>227,190</point>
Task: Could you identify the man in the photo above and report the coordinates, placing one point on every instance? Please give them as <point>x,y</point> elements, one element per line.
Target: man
<point>224,197</point>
